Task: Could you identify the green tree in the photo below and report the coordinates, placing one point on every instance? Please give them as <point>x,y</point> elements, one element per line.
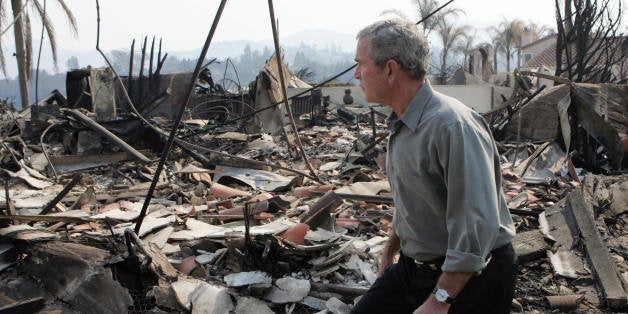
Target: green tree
<point>23,40</point>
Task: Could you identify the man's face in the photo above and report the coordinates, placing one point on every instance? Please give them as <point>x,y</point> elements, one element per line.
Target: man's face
<point>373,81</point>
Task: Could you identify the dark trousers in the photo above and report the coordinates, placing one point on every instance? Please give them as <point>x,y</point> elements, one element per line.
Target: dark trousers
<point>404,286</point>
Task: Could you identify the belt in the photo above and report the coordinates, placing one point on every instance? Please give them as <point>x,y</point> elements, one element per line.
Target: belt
<point>434,264</point>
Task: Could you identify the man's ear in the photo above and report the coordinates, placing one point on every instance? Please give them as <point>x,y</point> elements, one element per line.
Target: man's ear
<point>392,69</point>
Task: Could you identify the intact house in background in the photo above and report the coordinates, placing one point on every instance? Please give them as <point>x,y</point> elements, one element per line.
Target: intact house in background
<point>540,56</point>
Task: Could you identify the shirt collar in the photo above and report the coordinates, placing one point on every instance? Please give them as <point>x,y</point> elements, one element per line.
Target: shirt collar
<point>412,116</point>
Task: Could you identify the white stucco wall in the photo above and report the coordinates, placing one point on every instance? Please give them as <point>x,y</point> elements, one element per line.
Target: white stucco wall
<point>478,97</point>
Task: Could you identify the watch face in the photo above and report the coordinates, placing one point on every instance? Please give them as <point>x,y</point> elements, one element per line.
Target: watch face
<point>441,295</point>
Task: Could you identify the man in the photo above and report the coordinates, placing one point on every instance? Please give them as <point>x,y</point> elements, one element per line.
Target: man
<point>451,228</point>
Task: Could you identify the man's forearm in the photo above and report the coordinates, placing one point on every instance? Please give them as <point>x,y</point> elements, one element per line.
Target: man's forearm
<point>453,282</point>
<point>391,248</point>
<point>393,244</point>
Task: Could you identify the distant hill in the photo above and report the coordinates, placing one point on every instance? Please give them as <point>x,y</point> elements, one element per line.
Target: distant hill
<point>223,49</point>
<point>319,38</point>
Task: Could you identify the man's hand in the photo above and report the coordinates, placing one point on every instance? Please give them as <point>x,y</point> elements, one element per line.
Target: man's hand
<point>384,262</point>
<point>389,252</point>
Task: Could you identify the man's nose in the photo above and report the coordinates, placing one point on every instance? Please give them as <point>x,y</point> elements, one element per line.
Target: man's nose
<point>356,74</point>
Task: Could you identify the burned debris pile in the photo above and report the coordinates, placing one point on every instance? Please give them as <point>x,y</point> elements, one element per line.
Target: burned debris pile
<point>239,222</point>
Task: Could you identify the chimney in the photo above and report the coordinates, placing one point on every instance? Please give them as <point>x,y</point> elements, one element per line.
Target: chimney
<point>527,36</point>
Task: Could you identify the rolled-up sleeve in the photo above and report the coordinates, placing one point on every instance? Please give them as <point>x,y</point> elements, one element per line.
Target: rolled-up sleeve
<point>466,154</point>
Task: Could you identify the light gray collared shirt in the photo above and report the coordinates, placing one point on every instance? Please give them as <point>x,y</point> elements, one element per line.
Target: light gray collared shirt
<point>443,167</point>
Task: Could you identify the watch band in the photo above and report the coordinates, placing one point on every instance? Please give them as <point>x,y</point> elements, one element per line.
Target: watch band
<point>442,295</point>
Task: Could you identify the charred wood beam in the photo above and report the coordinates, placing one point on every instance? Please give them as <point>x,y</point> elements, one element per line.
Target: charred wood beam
<point>359,197</point>
<point>131,55</point>
<point>598,128</point>
<point>319,213</point>
<point>73,163</point>
<point>150,65</point>
<point>524,212</point>
<point>346,114</point>
<point>158,55</point>
<point>556,79</point>
<point>346,291</point>
<point>597,253</point>
<point>46,218</point>
<point>24,306</point>
<point>61,195</point>
<point>160,64</point>
<point>106,133</point>
<point>198,157</point>
<point>141,75</point>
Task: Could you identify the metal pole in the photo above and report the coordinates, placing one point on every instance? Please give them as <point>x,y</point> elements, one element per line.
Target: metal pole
<point>171,138</point>
<point>285,95</point>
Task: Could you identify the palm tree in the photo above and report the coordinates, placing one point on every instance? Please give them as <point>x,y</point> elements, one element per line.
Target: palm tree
<point>23,39</point>
<point>465,47</point>
<point>507,38</point>
<point>425,7</point>
<point>451,35</point>
<point>539,30</point>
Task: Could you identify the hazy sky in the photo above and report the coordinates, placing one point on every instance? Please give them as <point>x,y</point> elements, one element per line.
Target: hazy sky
<point>184,24</point>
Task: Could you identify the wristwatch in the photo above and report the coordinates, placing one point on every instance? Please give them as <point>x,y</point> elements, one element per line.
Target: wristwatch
<point>442,295</point>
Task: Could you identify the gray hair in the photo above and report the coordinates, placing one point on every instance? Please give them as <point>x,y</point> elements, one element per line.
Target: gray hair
<point>400,40</point>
